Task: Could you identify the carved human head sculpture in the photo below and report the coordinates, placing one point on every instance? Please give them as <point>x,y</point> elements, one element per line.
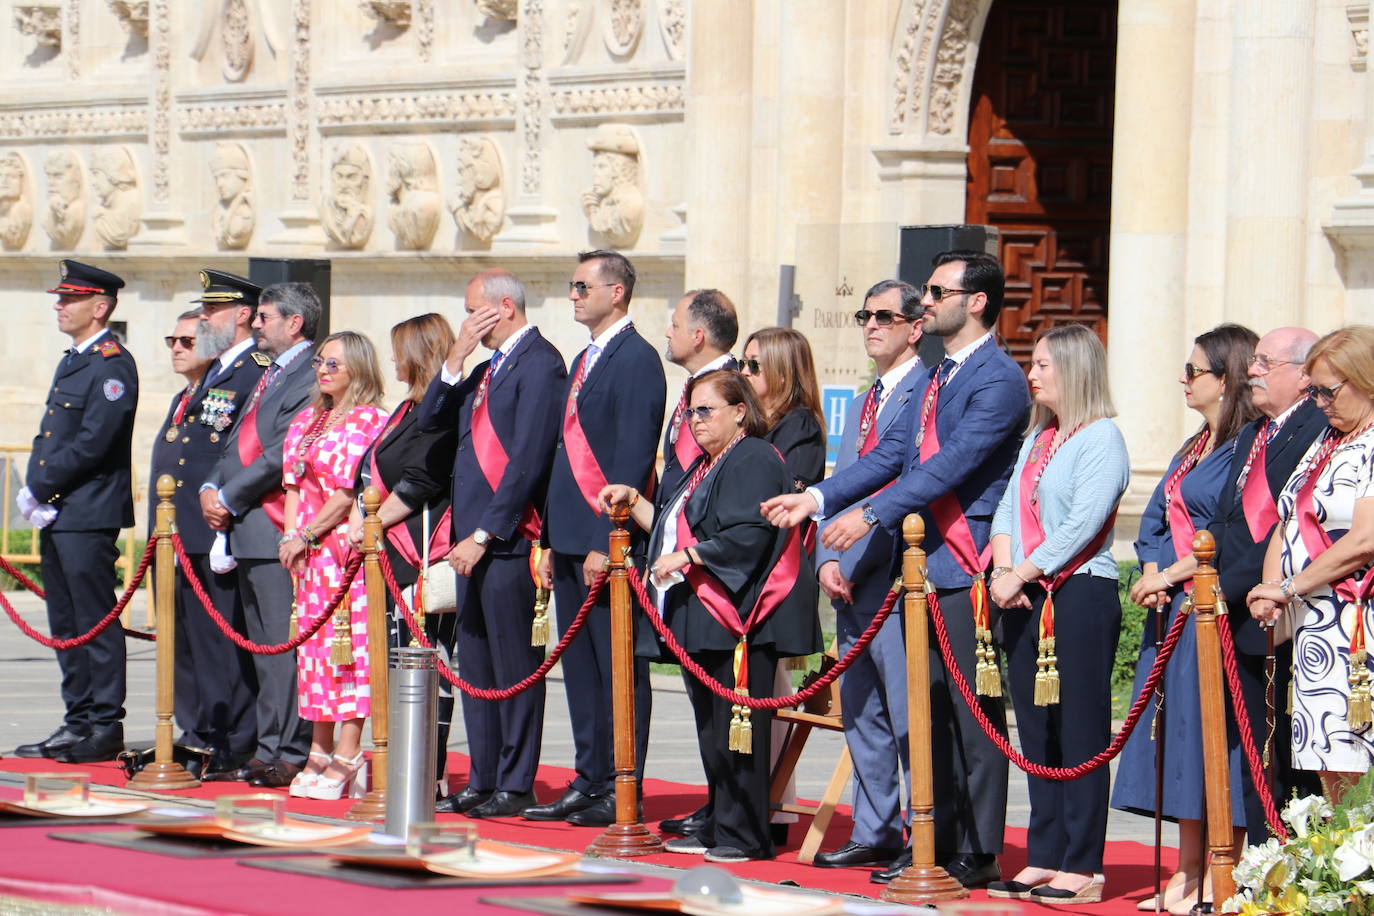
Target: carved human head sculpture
<point>64,178</point>
<point>615,160</point>
<point>410,167</point>
<point>350,174</point>
<point>231,170</point>
<point>479,166</point>
<point>13,177</point>
<point>112,169</point>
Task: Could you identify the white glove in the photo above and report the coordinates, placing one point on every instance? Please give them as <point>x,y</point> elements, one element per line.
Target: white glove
<point>26,502</point>
<point>220,559</point>
<point>43,516</point>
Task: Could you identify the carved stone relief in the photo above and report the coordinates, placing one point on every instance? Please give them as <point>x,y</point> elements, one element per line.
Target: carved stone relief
<point>395,13</point>
<point>576,24</point>
<point>929,57</point>
<point>132,15</point>
<point>614,204</point>
<point>479,208</point>
<point>623,24</point>
<point>42,21</point>
<point>345,209</point>
<point>672,24</point>
<point>413,186</point>
<point>119,207</point>
<point>233,218</point>
<point>949,64</point>
<point>499,9</point>
<point>16,202</point>
<point>236,34</point>
<point>64,214</point>
<point>1358,16</point>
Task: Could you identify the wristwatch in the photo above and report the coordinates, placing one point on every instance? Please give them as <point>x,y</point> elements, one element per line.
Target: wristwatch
<point>480,537</point>
<point>870,517</point>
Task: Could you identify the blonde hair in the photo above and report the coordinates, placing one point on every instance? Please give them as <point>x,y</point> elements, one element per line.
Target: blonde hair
<point>420,345</point>
<point>1080,369</point>
<point>364,375</point>
<point>787,367</point>
<point>1349,351</point>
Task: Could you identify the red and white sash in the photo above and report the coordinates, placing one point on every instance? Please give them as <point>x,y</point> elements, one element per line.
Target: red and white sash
<point>1181,527</point>
<point>684,441</point>
<point>1256,500</point>
<point>493,459</point>
<point>586,470</point>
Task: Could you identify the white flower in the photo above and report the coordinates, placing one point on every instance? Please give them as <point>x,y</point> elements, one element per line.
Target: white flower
<point>1300,811</point>
<point>1326,903</point>
<point>1309,885</point>
<point>1366,888</point>
<point>1257,863</point>
<point>1235,903</point>
<point>1356,855</point>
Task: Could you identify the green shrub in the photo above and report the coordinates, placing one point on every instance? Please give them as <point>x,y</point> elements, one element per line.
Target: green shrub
<point>25,542</point>
<point>1128,646</point>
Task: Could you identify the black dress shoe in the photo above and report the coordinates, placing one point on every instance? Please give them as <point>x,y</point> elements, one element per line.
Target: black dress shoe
<point>222,767</point>
<point>599,814</point>
<point>686,826</point>
<point>571,801</point>
<point>103,743</point>
<point>885,875</point>
<point>277,776</point>
<point>855,855</point>
<point>58,741</point>
<point>462,801</point>
<point>246,771</point>
<point>974,869</point>
<point>503,804</point>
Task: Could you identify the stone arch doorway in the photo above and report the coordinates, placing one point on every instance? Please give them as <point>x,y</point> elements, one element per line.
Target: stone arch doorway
<point>1040,158</point>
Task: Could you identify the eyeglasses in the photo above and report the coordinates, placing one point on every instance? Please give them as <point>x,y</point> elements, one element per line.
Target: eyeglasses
<point>187,343</point>
<point>1267,363</point>
<point>884,317</point>
<point>750,367</point>
<point>577,286</point>
<point>939,293</point>
<point>1323,395</point>
<point>702,413</point>
<point>1191,372</point>
<point>330,365</point>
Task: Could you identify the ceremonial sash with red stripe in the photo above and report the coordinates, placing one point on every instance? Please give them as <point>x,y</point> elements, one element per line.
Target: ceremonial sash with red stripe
<point>1181,528</point>
<point>868,422</point>
<point>441,538</point>
<point>492,457</point>
<point>586,470</point>
<point>685,447</point>
<point>250,450</point>
<point>709,591</point>
<point>1256,501</point>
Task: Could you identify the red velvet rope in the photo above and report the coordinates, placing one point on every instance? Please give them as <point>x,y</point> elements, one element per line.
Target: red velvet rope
<point>1035,769</point>
<point>350,573</point>
<point>484,693</point>
<point>739,699</point>
<point>105,622</point>
<point>1247,734</point>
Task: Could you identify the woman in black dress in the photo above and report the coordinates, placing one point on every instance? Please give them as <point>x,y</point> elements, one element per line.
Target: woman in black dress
<point>724,578</point>
<point>778,364</point>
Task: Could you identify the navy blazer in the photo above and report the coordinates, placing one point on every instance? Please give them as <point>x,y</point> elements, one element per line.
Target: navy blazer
<point>621,410</point>
<point>81,459</point>
<point>982,412</point>
<point>524,403</point>
<point>1240,560</point>
<point>872,554</point>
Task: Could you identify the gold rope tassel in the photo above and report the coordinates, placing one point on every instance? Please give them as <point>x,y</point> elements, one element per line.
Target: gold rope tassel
<point>746,732</point>
<point>539,629</point>
<point>420,603</point>
<point>741,729</point>
<point>1359,713</point>
<point>1047,674</point>
<point>341,649</point>
<point>987,678</point>
<point>294,627</point>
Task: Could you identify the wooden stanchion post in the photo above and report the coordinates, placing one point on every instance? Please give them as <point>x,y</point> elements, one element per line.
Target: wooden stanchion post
<point>372,807</point>
<point>627,836</point>
<point>922,881</point>
<point>1214,752</point>
<point>164,772</point>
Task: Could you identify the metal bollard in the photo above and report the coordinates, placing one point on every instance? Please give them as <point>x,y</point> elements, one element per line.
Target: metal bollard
<point>413,713</point>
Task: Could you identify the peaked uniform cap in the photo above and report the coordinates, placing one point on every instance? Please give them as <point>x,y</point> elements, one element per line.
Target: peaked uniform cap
<point>221,287</point>
<point>79,279</point>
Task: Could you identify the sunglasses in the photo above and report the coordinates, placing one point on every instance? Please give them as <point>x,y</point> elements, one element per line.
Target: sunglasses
<point>939,293</point>
<point>1191,372</point>
<point>702,413</point>
<point>187,343</point>
<point>581,288</point>
<point>884,317</point>
<point>750,367</point>
<point>1267,363</point>
<point>330,365</point>
<point>1323,395</point>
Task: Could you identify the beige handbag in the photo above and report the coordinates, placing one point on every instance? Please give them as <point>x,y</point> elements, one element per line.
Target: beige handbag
<point>439,582</point>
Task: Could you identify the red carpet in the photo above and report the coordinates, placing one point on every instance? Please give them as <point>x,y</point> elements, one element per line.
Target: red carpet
<point>1129,870</point>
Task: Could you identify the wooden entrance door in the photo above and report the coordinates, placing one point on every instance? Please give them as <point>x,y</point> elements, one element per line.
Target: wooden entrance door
<point>1040,159</point>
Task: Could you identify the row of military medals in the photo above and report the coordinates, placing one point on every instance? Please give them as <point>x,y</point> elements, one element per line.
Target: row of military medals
<point>216,411</point>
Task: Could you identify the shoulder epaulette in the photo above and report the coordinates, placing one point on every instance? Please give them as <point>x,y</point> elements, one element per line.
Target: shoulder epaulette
<point>262,359</point>
<point>109,348</point>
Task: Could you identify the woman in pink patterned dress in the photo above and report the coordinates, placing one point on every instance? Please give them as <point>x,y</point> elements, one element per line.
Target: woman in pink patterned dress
<point>321,454</point>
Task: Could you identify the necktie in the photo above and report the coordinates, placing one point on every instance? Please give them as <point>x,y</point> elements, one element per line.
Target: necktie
<point>944,372</point>
<point>70,355</point>
<point>263,382</point>
<point>496,359</point>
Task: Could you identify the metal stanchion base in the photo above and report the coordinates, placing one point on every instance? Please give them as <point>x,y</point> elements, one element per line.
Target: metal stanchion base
<point>371,807</point>
<point>923,884</point>
<point>163,776</point>
<point>624,841</point>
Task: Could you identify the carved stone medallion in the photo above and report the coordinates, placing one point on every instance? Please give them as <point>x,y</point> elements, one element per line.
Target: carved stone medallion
<point>479,208</point>
<point>233,218</point>
<point>119,204</point>
<point>346,207</point>
<point>672,24</point>
<point>614,204</point>
<point>624,21</point>
<point>413,186</point>
<point>64,210</point>
<point>236,34</point>
<point>16,201</point>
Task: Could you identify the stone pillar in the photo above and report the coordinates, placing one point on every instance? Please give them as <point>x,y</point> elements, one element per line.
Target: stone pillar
<point>719,129</point>
<point>1268,187</point>
<point>1352,228</point>
<point>1147,327</point>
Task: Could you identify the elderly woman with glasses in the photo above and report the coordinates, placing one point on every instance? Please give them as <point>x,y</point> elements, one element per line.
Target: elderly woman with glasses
<point>321,454</point>
<point>738,595</point>
<point>1215,384</point>
<point>1317,568</point>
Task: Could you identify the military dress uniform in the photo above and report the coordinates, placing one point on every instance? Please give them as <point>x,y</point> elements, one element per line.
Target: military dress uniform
<point>215,680</point>
<point>80,467</point>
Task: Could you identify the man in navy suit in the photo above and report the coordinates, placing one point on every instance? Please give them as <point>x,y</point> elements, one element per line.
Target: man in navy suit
<point>949,456</point>
<point>701,331</point>
<point>873,691</point>
<point>506,412</point>
<point>1267,452</point>
<point>610,416</point>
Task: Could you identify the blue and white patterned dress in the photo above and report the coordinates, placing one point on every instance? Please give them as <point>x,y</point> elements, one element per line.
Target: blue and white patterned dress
<point>1322,740</point>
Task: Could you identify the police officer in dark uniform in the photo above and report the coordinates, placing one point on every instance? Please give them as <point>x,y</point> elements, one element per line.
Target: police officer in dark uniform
<point>215,680</point>
<point>79,492</point>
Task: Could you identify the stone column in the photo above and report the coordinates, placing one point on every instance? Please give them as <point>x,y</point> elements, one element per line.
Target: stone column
<point>1268,187</point>
<point>1351,226</point>
<point>719,129</point>
<point>1147,326</point>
